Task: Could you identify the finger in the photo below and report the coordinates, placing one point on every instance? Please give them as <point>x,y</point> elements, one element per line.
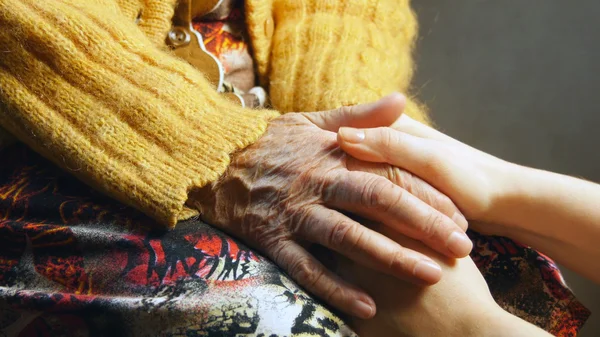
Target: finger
<point>412,127</point>
<point>414,185</point>
<point>378,199</point>
<point>423,157</point>
<point>339,233</point>
<point>418,129</point>
<point>318,280</point>
<point>381,113</point>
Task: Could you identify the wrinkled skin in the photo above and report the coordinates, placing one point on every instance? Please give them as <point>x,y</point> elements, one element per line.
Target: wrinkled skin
<point>412,184</point>
<point>290,188</point>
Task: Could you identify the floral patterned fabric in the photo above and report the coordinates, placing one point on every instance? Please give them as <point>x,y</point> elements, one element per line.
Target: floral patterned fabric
<point>528,284</point>
<point>75,263</point>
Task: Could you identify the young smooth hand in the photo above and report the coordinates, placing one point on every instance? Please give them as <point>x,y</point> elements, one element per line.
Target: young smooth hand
<point>553,213</point>
<point>471,178</point>
<point>460,305</point>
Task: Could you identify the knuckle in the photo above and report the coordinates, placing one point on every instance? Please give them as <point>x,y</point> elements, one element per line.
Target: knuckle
<point>330,185</point>
<point>367,191</point>
<point>304,273</point>
<point>347,110</point>
<point>299,219</point>
<point>430,195</point>
<point>380,194</point>
<point>274,252</point>
<point>402,178</point>
<point>398,258</point>
<point>385,137</point>
<point>269,237</point>
<point>342,113</point>
<point>341,233</point>
<point>371,193</point>
<point>334,291</point>
<point>434,221</point>
<point>391,173</point>
<point>388,140</point>
<point>323,179</point>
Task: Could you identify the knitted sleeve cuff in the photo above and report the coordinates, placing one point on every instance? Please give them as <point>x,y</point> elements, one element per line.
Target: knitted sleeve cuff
<point>85,88</point>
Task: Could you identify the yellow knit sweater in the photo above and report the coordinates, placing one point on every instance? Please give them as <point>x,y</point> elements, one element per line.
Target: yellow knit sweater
<point>87,87</point>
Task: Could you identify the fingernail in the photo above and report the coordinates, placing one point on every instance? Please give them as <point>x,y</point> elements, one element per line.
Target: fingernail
<point>428,271</point>
<point>352,135</point>
<point>459,244</point>
<point>460,220</point>
<point>362,309</point>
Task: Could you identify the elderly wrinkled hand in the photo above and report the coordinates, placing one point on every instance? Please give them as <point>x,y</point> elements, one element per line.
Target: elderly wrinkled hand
<point>292,187</point>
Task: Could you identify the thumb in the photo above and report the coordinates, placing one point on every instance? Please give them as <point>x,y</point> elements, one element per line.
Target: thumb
<point>384,112</point>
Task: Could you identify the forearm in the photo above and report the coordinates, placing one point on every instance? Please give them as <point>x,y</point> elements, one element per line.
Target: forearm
<point>500,323</point>
<point>126,118</point>
<point>556,214</point>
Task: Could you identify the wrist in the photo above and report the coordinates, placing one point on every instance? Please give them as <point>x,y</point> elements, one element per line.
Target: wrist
<point>499,323</point>
<point>482,322</point>
<point>511,187</point>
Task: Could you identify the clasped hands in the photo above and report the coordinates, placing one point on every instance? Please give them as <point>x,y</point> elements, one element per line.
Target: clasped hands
<point>296,185</point>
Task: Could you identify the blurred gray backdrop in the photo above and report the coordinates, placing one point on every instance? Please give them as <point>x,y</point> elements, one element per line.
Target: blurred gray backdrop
<point>518,79</point>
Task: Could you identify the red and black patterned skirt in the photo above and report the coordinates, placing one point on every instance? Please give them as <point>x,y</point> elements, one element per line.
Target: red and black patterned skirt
<point>76,263</point>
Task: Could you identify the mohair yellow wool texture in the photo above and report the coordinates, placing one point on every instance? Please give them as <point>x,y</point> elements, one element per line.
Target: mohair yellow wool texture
<point>83,86</point>
<point>328,53</point>
<point>99,95</point>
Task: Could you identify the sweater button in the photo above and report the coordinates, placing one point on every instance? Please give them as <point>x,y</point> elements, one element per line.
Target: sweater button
<point>269,28</point>
<point>178,37</point>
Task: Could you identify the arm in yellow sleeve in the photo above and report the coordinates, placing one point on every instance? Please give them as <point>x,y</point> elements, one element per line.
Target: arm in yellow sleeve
<point>82,85</point>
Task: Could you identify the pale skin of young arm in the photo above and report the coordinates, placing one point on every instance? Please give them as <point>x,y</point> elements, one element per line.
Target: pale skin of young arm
<point>557,214</point>
<point>554,213</point>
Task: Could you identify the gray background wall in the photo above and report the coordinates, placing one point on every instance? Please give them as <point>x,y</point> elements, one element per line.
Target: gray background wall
<point>519,79</point>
